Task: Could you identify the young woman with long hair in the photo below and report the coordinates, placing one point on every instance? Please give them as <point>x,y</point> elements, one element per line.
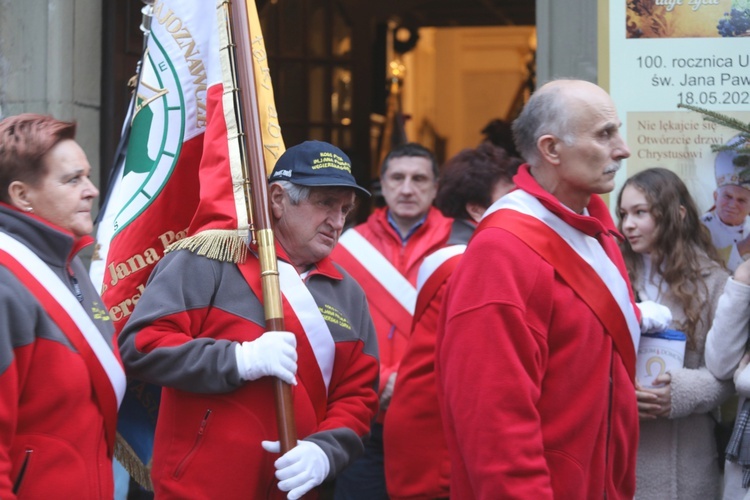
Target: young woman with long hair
<point>671,260</point>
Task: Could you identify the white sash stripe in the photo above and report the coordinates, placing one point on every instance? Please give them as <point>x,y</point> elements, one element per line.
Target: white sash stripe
<point>587,247</point>
<point>308,313</point>
<point>62,294</point>
<point>434,261</point>
<point>380,269</point>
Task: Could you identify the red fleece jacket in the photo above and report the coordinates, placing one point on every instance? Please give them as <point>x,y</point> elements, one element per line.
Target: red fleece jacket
<point>536,401</point>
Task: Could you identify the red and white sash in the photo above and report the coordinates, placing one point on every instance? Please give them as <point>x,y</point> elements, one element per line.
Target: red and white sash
<point>301,314</point>
<point>387,289</point>
<point>308,313</point>
<point>433,272</point>
<point>579,259</point>
<point>107,373</point>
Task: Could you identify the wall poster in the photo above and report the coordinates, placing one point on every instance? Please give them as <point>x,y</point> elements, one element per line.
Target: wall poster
<point>656,54</point>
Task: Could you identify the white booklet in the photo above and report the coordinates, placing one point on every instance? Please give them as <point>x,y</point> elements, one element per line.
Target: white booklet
<point>659,353</point>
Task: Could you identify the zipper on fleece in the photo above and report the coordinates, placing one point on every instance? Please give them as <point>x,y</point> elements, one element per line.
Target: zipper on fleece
<point>196,444</point>
<point>22,471</point>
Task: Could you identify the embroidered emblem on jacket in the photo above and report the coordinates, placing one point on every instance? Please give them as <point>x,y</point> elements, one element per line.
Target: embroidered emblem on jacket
<point>332,315</point>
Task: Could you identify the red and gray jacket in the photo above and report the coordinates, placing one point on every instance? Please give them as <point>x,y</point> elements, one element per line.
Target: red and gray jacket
<point>52,431</point>
<point>182,335</point>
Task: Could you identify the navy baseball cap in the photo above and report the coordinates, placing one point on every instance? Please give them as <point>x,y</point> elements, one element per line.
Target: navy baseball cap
<point>315,164</point>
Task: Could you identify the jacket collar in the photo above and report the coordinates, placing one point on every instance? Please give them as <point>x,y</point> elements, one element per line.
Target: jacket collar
<point>54,245</point>
<point>598,221</point>
<point>323,267</point>
<point>383,218</point>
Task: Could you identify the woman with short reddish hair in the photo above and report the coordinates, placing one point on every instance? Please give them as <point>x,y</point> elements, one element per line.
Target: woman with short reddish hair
<point>61,378</point>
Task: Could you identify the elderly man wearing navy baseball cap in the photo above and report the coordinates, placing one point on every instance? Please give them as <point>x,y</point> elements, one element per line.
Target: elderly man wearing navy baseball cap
<point>199,332</point>
<point>311,191</point>
<point>315,164</point>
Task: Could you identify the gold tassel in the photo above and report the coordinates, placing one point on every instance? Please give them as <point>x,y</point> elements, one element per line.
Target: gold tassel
<point>218,244</point>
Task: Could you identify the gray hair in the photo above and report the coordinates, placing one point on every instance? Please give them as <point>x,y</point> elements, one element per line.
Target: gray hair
<point>548,111</point>
<point>296,192</point>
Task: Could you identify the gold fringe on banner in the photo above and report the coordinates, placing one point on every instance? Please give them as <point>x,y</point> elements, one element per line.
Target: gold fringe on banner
<point>128,458</point>
<point>225,245</point>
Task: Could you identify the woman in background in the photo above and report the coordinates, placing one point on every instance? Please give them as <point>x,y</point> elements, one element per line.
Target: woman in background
<point>417,464</point>
<point>61,379</point>
<point>671,260</point>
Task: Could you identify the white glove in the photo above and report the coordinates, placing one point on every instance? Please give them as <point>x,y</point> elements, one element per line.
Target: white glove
<point>300,469</point>
<point>654,317</point>
<point>272,354</point>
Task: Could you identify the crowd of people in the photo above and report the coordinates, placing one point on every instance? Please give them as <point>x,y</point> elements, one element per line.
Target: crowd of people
<point>476,337</point>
